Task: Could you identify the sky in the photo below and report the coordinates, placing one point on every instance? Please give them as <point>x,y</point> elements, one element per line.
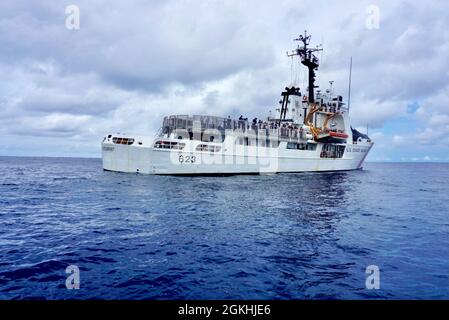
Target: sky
<point>64,85</point>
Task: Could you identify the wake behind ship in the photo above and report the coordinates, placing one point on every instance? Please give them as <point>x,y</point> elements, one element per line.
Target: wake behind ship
<point>308,132</point>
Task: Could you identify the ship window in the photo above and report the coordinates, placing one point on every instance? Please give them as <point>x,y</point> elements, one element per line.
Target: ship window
<point>301,146</point>
<point>254,142</point>
<point>205,147</point>
<point>332,151</point>
<point>127,141</point>
<point>169,145</point>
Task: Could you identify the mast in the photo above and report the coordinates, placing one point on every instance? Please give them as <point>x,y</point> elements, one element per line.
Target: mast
<point>309,60</point>
<point>349,89</point>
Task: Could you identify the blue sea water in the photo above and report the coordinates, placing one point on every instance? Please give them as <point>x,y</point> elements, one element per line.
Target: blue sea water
<point>285,236</point>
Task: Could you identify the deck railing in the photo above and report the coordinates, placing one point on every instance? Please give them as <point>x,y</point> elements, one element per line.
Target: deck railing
<point>194,127</point>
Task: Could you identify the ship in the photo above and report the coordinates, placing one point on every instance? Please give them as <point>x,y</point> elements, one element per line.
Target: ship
<point>308,131</point>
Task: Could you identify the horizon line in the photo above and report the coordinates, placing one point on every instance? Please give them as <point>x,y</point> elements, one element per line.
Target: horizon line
<point>96,157</point>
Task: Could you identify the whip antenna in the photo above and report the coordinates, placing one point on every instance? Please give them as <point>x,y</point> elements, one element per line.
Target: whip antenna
<point>349,89</point>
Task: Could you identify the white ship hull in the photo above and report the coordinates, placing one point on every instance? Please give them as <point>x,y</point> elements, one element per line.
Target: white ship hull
<point>306,133</point>
<point>232,160</point>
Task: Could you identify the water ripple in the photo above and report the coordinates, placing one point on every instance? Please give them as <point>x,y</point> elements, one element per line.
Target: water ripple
<point>286,236</point>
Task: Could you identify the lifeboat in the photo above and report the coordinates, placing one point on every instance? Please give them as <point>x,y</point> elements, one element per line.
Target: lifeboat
<point>331,136</point>
<point>338,135</point>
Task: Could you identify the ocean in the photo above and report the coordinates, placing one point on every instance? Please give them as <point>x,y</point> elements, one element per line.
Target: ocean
<point>284,236</point>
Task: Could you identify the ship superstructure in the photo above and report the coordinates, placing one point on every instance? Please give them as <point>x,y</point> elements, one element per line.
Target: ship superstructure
<point>308,132</point>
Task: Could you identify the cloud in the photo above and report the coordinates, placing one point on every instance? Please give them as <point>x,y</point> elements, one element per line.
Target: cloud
<point>144,46</point>
<point>129,65</point>
<point>55,124</point>
<point>399,140</point>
